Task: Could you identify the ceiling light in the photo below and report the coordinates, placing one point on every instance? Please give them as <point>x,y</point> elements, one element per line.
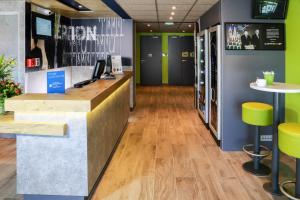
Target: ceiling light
<point>148,25</point>
<point>169,23</point>
<point>150,30</point>
<point>171,18</point>
<point>172,13</point>
<point>190,25</point>
<point>183,31</point>
<point>80,6</point>
<point>173,7</point>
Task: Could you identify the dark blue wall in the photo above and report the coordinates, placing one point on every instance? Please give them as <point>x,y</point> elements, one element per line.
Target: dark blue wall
<point>211,17</point>
<point>239,68</point>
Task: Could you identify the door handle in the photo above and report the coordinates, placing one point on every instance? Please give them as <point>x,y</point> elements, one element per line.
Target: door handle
<point>183,60</point>
<point>142,60</point>
<point>213,95</point>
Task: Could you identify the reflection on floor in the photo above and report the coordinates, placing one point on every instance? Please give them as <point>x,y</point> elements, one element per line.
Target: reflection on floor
<point>165,153</point>
<point>8,170</point>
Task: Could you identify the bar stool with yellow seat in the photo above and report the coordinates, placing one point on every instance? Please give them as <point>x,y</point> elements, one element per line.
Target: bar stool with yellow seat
<point>258,115</point>
<point>289,143</point>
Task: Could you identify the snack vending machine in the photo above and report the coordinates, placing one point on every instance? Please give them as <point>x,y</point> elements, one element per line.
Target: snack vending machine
<point>215,81</point>
<point>203,72</point>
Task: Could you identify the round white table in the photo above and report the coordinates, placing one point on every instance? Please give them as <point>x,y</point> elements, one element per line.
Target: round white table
<point>276,89</point>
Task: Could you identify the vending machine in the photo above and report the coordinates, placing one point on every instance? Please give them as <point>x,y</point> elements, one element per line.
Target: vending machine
<point>215,81</point>
<point>203,73</point>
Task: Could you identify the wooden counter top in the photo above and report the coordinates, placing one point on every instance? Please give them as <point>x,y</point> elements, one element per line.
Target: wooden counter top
<point>9,126</point>
<point>83,99</point>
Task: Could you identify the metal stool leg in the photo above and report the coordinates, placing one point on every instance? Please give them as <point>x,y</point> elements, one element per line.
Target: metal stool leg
<point>254,166</point>
<point>297,184</point>
<point>256,148</point>
<point>297,190</point>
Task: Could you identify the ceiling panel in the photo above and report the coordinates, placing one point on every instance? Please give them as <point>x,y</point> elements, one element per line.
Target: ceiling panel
<point>175,1</point>
<point>186,10</point>
<point>98,8</point>
<point>139,10</point>
<point>132,2</point>
<point>177,27</point>
<point>179,7</point>
<point>139,7</point>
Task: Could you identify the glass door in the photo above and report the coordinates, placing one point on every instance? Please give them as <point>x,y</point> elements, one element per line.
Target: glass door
<point>215,80</point>
<point>203,75</point>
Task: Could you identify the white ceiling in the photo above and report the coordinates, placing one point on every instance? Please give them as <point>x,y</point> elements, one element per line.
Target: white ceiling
<point>97,6</point>
<point>160,10</point>
<point>153,12</point>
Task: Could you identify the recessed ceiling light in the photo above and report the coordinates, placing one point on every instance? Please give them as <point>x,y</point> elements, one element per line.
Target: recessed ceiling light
<point>190,25</point>
<point>173,7</point>
<point>171,18</point>
<point>169,23</point>
<point>148,25</point>
<point>80,6</point>
<point>172,13</point>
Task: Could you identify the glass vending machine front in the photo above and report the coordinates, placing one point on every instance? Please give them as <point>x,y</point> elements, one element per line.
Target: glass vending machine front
<point>203,75</point>
<point>215,80</point>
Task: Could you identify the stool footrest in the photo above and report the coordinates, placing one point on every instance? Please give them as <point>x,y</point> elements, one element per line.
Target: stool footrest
<point>250,152</point>
<point>284,192</point>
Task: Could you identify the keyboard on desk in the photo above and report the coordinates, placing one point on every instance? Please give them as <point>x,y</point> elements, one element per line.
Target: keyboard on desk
<point>83,83</point>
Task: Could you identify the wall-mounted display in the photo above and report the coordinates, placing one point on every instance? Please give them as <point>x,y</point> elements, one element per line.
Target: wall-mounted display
<point>42,26</point>
<point>270,9</point>
<point>254,36</point>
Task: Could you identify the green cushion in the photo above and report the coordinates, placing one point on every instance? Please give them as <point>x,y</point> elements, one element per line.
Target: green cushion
<point>257,114</point>
<point>289,139</point>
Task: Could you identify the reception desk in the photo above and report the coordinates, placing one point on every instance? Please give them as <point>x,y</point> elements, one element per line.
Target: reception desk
<point>64,141</point>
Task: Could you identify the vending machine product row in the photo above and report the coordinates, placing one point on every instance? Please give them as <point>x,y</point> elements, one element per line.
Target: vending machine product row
<point>203,70</point>
<point>209,79</point>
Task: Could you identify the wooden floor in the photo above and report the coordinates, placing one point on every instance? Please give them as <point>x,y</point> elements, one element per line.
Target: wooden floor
<point>165,153</point>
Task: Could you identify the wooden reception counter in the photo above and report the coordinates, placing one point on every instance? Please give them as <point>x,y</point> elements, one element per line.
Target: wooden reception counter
<point>65,164</point>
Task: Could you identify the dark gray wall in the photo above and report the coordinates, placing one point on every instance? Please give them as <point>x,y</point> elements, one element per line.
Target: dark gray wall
<point>239,68</point>
<point>211,17</point>
<point>113,36</point>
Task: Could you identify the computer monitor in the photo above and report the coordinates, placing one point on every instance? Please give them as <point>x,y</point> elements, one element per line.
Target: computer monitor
<point>99,69</point>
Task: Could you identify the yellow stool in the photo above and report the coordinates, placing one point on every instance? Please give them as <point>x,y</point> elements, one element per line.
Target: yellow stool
<point>258,115</point>
<point>289,143</point>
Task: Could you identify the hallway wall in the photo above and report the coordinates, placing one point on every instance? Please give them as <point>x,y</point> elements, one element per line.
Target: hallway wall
<point>12,34</point>
<point>239,68</point>
<point>292,60</point>
<point>164,50</point>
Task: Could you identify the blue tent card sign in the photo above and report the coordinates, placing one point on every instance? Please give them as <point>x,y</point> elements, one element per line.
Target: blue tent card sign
<point>56,82</point>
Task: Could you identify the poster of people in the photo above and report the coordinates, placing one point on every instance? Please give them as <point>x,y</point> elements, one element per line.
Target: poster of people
<point>242,36</point>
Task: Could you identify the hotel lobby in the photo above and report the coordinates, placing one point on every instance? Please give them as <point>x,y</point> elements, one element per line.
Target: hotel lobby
<point>149,100</point>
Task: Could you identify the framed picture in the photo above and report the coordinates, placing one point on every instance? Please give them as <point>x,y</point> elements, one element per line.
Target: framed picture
<point>117,64</point>
<point>254,36</point>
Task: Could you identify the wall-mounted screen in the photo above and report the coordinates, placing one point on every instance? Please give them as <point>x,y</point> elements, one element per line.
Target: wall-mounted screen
<point>254,36</point>
<point>42,26</point>
<point>269,9</point>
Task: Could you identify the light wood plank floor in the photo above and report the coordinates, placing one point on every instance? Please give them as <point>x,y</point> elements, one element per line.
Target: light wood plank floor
<point>165,153</point>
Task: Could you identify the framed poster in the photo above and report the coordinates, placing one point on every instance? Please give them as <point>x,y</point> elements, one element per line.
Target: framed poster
<point>116,64</point>
<point>254,36</point>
